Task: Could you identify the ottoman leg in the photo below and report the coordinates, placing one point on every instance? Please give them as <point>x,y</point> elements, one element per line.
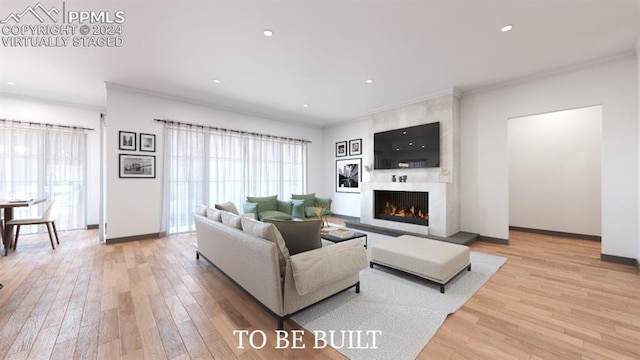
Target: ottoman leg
<point>469,268</point>
<point>441,288</point>
<point>371,264</point>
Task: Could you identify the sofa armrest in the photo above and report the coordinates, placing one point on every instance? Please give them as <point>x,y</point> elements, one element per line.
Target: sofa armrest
<point>317,268</point>
<point>284,206</point>
<point>325,203</point>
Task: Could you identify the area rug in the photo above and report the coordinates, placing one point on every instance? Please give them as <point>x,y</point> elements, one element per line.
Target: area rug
<point>401,313</point>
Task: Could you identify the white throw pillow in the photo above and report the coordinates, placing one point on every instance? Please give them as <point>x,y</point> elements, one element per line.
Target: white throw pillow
<point>232,220</point>
<point>214,214</point>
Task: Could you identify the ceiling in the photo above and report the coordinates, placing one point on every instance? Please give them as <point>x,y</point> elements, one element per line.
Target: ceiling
<point>321,52</point>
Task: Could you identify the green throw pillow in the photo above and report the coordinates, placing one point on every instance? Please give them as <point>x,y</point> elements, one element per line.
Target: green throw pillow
<point>309,199</point>
<point>265,203</point>
<point>250,208</point>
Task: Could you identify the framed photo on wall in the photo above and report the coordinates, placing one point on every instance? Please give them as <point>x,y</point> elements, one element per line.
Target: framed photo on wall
<point>127,140</point>
<point>341,148</point>
<point>355,147</point>
<point>147,142</point>
<point>348,175</point>
<point>137,166</point>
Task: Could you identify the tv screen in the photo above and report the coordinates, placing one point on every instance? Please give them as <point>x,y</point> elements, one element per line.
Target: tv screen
<point>406,148</point>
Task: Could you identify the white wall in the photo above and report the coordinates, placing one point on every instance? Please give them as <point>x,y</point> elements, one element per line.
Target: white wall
<point>344,203</point>
<point>638,109</point>
<point>134,205</point>
<point>554,171</point>
<point>27,109</point>
<point>484,173</point>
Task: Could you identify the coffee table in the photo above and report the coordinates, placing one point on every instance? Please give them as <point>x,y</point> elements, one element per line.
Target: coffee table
<point>337,239</point>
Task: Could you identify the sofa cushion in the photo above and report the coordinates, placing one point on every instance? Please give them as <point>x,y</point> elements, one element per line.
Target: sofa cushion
<point>231,219</point>
<point>268,232</point>
<point>309,199</point>
<point>214,214</point>
<point>265,203</point>
<point>228,206</point>
<point>278,215</point>
<point>299,236</point>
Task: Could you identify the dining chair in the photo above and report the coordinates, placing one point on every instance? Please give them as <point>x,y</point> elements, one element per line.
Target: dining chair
<point>48,219</point>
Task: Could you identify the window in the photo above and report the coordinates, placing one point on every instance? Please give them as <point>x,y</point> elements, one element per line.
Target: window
<point>45,161</point>
<point>209,166</point>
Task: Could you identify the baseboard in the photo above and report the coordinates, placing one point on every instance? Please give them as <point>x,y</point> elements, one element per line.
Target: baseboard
<point>493,240</point>
<point>557,233</point>
<point>619,260</point>
<point>134,238</point>
<point>347,217</point>
<point>93,226</point>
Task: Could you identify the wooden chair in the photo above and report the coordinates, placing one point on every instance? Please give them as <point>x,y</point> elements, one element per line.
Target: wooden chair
<point>48,219</point>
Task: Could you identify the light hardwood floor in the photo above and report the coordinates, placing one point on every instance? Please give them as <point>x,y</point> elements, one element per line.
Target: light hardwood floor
<point>553,299</point>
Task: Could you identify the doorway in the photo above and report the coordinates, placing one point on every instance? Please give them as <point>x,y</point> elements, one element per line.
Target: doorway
<point>555,171</point>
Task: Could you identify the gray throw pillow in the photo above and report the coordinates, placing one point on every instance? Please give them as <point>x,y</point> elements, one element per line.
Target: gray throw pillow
<point>228,206</point>
<point>299,236</point>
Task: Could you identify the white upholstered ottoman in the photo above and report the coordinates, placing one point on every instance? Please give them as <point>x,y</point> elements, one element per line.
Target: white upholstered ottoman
<point>433,260</point>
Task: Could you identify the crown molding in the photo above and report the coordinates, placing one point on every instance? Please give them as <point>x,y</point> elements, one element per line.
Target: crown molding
<point>602,61</point>
<point>100,109</point>
<point>208,104</point>
<point>455,92</point>
<point>436,95</point>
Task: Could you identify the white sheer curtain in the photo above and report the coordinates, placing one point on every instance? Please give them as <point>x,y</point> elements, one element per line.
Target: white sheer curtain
<point>44,161</point>
<point>209,166</point>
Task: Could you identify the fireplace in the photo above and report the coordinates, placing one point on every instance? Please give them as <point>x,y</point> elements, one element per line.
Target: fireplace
<point>403,206</point>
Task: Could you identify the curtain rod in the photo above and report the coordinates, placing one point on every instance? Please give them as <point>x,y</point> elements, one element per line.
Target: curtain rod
<point>232,131</point>
<point>46,124</point>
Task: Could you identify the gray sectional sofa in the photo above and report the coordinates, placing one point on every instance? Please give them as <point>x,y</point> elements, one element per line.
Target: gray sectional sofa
<point>254,255</point>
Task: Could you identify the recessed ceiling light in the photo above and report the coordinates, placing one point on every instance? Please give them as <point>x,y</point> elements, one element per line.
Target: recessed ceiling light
<point>305,105</point>
<point>216,81</point>
<point>267,32</point>
<point>11,83</point>
<point>369,81</point>
<point>506,28</point>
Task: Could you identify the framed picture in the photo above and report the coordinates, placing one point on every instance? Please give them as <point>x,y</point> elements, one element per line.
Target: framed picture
<point>137,166</point>
<point>147,142</point>
<point>355,147</point>
<point>348,175</point>
<point>341,148</point>
<point>127,140</point>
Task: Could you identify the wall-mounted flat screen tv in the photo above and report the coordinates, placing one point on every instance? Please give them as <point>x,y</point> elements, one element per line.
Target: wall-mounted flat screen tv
<point>407,148</point>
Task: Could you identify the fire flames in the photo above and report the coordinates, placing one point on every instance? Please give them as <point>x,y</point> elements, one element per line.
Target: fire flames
<point>393,210</point>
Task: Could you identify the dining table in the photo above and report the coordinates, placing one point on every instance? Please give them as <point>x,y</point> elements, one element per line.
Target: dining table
<point>7,206</point>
